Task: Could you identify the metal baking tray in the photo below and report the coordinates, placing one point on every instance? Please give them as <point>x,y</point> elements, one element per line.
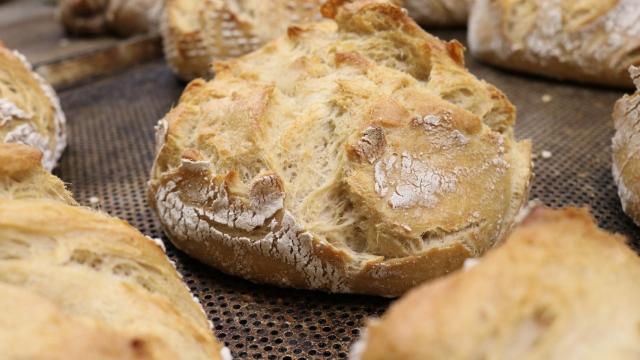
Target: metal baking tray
<point>111,148</point>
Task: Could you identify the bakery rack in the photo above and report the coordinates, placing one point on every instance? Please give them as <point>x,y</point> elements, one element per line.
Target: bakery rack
<point>111,148</point>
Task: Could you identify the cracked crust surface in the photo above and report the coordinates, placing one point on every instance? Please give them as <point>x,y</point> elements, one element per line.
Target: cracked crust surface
<point>626,149</point>
<point>591,41</point>
<point>23,177</point>
<point>30,111</point>
<point>197,32</point>
<point>352,155</point>
<point>550,292</point>
<point>96,277</point>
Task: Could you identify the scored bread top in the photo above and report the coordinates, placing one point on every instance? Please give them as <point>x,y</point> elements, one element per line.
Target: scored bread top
<point>30,112</point>
<point>23,177</point>
<point>587,41</point>
<point>559,288</point>
<point>197,32</point>
<point>103,278</point>
<point>354,155</point>
<point>625,145</point>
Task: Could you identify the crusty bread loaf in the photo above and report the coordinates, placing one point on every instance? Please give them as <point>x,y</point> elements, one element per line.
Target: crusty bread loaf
<point>119,17</point>
<point>354,155</point>
<point>438,12</point>
<point>559,288</point>
<point>30,112</point>
<point>626,149</point>
<point>101,273</point>
<point>22,176</point>
<point>592,41</point>
<point>196,32</point>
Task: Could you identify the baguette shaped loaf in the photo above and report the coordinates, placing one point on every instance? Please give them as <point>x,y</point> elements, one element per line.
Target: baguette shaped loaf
<point>559,288</point>
<point>100,272</point>
<point>626,149</point>
<point>30,111</point>
<point>348,156</point>
<point>590,41</point>
<point>119,17</point>
<point>438,12</point>
<point>196,32</point>
<point>22,176</point>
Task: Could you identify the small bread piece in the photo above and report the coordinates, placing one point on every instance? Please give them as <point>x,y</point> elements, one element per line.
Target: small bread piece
<point>559,288</point>
<point>103,278</point>
<point>438,12</point>
<point>197,32</point>
<point>349,156</point>
<point>119,17</point>
<point>626,149</point>
<point>30,112</point>
<point>22,176</point>
<point>590,41</point>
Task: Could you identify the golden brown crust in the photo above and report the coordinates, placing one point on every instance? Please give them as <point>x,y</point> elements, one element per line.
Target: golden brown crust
<point>551,291</point>
<point>30,112</point>
<point>626,150</point>
<point>590,41</point>
<point>338,158</point>
<point>101,275</point>
<point>23,177</point>
<point>195,32</point>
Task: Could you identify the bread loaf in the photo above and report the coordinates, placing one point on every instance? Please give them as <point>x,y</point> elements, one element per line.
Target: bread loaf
<point>591,41</point>
<point>559,288</point>
<point>438,12</point>
<point>30,112</point>
<point>77,284</point>
<point>197,32</point>
<point>22,176</point>
<point>119,17</point>
<point>626,145</point>
<point>355,155</point>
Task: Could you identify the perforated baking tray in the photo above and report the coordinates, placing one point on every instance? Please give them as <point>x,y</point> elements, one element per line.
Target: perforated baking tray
<point>111,150</point>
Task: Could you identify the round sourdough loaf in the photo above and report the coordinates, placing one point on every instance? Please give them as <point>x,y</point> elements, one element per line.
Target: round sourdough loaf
<point>355,155</point>
<point>626,149</point>
<point>196,32</point>
<point>559,288</point>
<point>592,41</point>
<point>30,112</point>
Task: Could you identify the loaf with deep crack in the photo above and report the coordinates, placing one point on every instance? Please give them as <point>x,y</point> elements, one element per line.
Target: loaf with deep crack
<point>590,41</point>
<point>355,154</point>
<point>559,288</point>
<point>30,111</point>
<point>626,149</point>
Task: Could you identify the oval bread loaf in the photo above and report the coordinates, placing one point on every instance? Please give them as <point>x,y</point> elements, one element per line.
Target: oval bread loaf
<point>30,111</point>
<point>119,17</point>
<point>591,41</point>
<point>438,12</point>
<point>559,288</point>
<point>626,150</point>
<point>197,32</point>
<point>78,284</point>
<point>355,155</point>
